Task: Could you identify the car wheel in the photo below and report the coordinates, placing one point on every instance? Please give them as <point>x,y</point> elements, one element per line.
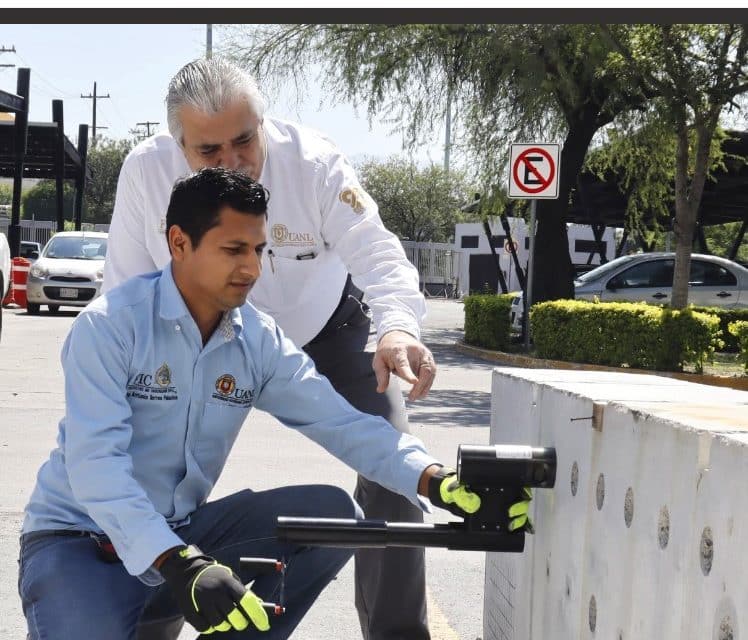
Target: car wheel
<point>53,308</point>
<point>1,320</point>
<point>32,308</point>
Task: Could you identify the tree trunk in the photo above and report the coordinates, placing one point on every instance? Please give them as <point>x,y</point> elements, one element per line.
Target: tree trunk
<point>687,202</point>
<point>553,276</point>
<point>684,223</point>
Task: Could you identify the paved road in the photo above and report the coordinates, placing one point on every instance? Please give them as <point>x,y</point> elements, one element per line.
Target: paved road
<point>266,454</point>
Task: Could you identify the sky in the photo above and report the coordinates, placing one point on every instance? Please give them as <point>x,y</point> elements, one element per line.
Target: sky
<point>133,63</point>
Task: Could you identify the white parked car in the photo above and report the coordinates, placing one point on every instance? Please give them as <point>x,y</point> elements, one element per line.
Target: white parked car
<point>4,274</point>
<point>648,277</point>
<point>69,271</point>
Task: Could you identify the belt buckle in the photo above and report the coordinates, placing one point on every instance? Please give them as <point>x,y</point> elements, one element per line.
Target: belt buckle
<point>105,549</point>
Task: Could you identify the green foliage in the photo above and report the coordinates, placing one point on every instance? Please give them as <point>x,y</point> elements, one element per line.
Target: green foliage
<point>726,317</point>
<point>696,71</point>
<point>720,238</point>
<point>6,194</point>
<point>740,331</point>
<point>40,203</point>
<point>105,161</point>
<point>420,204</point>
<point>623,334</point>
<point>639,157</point>
<point>487,320</point>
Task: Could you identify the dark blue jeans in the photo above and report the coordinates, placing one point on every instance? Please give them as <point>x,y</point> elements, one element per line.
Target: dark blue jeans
<point>69,593</point>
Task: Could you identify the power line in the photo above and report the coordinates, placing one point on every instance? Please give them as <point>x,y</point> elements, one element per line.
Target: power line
<point>94,96</point>
<point>4,49</point>
<point>39,76</point>
<point>147,124</point>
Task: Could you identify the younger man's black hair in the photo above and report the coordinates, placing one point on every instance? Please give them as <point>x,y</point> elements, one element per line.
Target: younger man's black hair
<point>197,200</point>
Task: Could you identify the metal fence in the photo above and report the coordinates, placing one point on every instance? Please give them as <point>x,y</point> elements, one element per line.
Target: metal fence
<point>42,230</point>
<point>438,267</point>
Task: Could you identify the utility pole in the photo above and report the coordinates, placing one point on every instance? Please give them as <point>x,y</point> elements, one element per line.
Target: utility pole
<point>448,131</point>
<point>94,97</point>
<point>147,124</point>
<point>208,41</point>
<point>4,49</point>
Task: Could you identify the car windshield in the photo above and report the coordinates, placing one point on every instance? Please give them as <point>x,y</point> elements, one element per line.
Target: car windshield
<point>604,269</point>
<point>76,248</point>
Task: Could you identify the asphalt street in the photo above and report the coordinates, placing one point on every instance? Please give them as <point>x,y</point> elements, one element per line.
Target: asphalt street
<point>266,454</point>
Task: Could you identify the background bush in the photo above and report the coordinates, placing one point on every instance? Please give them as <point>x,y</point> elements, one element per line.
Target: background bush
<point>618,334</point>
<point>726,318</point>
<point>487,320</point>
<point>739,330</point>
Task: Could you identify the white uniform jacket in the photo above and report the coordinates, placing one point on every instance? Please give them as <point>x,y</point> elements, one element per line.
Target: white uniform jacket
<point>321,226</point>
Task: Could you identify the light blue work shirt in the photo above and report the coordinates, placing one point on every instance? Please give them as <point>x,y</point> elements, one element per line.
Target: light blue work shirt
<point>151,415</point>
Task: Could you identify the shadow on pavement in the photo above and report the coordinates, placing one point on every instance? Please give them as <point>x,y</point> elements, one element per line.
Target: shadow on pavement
<point>452,408</point>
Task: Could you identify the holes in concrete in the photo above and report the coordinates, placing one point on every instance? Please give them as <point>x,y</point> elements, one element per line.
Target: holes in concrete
<point>574,478</point>
<point>568,587</point>
<point>548,569</point>
<point>593,614</point>
<point>600,492</point>
<point>628,506</point>
<point>725,631</point>
<point>725,621</point>
<point>707,550</point>
<point>663,528</point>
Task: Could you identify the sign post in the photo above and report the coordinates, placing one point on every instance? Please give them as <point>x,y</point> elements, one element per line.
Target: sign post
<point>533,174</point>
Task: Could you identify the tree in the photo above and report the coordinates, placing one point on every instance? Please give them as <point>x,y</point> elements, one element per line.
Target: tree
<point>416,204</point>
<point>105,161</point>
<point>6,194</point>
<point>721,237</point>
<point>510,82</point>
<point>697,71</point>
<point>40,202</point>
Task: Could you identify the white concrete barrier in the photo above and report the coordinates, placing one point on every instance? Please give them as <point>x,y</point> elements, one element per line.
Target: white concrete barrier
<point>645,535</point>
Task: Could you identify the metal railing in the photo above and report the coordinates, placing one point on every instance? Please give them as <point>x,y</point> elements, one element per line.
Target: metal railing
<point>42,230</point>
<point>438,267</point>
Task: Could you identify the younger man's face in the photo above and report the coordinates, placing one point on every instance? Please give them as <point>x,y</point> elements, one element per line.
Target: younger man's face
<point>219,273</point>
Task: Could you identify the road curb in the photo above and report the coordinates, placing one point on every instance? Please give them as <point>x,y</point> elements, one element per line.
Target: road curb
<point>528,362</point>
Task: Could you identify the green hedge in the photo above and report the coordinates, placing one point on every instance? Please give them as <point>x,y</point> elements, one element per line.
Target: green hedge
<point>618,334</point>
<point>726,318</point>
<point>487,320</point>
<point>739,330</point>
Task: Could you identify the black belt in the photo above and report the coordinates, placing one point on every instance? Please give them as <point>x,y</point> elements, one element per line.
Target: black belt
<point>26,538</point>
<point>104,545</point>
<point>350,310</point>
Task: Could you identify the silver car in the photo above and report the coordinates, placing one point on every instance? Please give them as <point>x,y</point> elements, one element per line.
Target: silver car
<point>69,271</point>
<point>648,277</point>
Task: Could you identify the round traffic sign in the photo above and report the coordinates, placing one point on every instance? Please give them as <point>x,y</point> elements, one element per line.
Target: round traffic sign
<point>543,181</point>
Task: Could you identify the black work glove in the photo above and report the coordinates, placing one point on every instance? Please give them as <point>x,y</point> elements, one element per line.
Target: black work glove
<point>210,595</point>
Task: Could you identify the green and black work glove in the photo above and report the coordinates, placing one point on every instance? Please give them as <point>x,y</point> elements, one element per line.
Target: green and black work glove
<point>519,518</point>
<point>447,492</point>
<point>211,595</point>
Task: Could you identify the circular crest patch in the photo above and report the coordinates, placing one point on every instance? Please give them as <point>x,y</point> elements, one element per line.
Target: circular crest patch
<point>226,384</point>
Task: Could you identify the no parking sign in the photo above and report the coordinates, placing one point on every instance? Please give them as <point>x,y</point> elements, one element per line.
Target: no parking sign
<point>533,171</point>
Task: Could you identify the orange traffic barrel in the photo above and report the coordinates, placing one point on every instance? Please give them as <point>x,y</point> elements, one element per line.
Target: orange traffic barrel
<point>19,275</point>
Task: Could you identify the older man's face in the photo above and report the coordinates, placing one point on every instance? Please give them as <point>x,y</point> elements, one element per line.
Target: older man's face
<point>232,138</point>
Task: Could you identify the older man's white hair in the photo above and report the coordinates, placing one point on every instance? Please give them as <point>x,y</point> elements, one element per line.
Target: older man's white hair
<point>209,86</point>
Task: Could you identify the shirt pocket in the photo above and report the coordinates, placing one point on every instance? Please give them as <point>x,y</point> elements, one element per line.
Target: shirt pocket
<point>290,274</point>
<point>220,425</point>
